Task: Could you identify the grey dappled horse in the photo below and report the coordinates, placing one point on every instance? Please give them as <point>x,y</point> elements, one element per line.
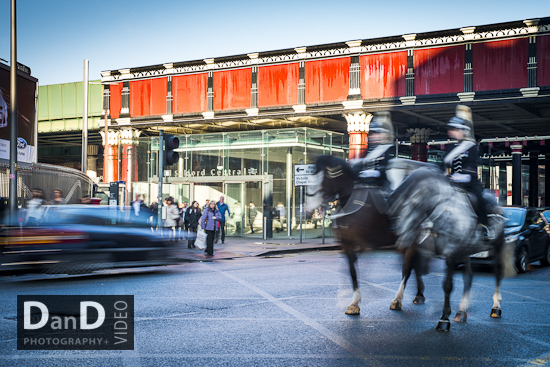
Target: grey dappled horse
<point>365,229</point>
<point>427,202</point>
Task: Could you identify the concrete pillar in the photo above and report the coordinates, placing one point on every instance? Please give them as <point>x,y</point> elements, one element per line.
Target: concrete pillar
<point>516,174</point>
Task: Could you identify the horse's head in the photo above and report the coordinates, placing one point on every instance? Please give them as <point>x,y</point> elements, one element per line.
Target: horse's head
<point>333,177</point>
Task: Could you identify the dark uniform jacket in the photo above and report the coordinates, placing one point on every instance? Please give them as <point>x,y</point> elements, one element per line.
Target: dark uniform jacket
<point>462,158</point>
<point>376,160</point>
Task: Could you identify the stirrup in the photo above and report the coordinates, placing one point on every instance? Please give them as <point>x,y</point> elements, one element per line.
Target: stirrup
<point>488,233</point>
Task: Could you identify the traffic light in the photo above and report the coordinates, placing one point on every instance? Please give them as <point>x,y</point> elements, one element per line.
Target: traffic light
<point>171,143</point>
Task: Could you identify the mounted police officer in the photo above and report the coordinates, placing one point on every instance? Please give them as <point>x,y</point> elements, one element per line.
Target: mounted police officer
<point>381,149</point>
<point>461,161</point>
<point>370,171</point>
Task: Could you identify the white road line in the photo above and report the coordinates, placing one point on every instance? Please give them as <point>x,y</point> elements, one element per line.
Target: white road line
<point>300,316</point>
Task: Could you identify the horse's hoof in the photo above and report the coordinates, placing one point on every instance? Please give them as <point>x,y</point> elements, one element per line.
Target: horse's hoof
<point>353,310</point>
<point>419,300</point>
<point>443,325</point>
<point>496,313</point>
<point>395,305</point>
<point>461,316</point>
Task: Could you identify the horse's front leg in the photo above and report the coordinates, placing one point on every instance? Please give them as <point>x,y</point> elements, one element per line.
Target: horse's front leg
<point>444,323</point>
<point>353,308</point>
<point>462,315</point>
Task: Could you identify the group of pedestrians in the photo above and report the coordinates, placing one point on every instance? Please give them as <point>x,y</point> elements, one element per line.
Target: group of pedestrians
<point>182,221</point>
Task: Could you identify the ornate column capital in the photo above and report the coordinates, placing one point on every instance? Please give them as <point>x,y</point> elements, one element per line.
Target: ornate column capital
<point>129,135</point>
<point>113,137</point>
<point>358,122</point>
<point>419,135</point>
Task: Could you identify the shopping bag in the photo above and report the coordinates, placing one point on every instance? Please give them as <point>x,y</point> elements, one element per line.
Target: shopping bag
<point>201,239</point>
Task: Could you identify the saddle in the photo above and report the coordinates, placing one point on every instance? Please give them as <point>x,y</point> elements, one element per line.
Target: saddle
<point>360,198</point>
<point>489,201</point>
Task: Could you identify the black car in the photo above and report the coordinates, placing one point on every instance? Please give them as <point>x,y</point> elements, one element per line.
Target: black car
<point>80,239</point>
<point>529,230</point>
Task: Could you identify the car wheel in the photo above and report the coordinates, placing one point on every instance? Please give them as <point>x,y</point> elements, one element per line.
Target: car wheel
<point>546,260</point>
<point>522,260</point>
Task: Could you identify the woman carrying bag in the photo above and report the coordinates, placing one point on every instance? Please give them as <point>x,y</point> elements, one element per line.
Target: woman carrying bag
<point>209,221</point>
<point>192,217</point>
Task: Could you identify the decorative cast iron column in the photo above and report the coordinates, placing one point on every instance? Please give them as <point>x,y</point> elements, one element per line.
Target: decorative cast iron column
<point>516,173</point>
<point>419,143</point>
<point>358,129</point>
<point>110,156</point>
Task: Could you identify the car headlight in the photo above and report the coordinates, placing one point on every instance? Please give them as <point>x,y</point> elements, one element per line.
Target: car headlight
<point>511,238</point>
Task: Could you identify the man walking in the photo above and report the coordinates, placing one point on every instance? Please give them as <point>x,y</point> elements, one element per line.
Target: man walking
<point>222,208</point>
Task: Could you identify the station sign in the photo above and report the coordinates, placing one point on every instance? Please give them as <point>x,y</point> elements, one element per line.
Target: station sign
<point>303,174</point>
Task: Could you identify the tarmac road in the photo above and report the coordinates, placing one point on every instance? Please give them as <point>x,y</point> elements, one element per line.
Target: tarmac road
<point>288,310</point>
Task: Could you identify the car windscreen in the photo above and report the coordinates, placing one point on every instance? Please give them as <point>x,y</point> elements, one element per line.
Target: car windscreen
<point>514,217</point>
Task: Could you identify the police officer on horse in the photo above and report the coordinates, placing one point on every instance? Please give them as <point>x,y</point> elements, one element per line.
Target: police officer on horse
<point>380,151</point>
<point>461,161</point>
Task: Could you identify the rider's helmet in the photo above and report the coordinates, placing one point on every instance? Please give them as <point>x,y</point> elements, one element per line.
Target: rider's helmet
<point>463,121</point>
<point>381,123</point>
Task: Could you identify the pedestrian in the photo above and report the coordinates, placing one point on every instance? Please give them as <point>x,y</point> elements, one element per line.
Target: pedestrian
<point>237,217</point>
<point>192,217</point>
<point>181,222</point>
<point>223,209</point>
<point>58,198</point>
<point>209,220</point>
<point>206,205</point>
<point>171,221</point>
<point>154,207</point>
<point>139,209</point>
<point>35,208</point>
<point>252,212</point>
<point>281,213</point>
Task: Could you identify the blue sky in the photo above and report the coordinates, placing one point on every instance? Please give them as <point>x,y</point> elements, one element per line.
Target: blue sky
<point>54,37</point>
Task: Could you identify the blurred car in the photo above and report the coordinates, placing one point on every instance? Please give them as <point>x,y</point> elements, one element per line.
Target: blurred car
<point>82,238</point>
<point>528,228</point>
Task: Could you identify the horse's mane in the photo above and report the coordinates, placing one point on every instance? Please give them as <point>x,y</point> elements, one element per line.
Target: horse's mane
<point>324,161</point>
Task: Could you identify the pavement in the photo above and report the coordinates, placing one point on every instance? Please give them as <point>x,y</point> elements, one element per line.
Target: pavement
<point>239,247</point>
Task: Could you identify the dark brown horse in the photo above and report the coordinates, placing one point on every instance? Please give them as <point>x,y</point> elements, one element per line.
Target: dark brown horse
<point>367,228</point>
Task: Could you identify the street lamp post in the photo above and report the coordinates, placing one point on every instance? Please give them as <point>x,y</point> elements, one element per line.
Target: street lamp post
<point>85,119</point>
<point>13,113</point>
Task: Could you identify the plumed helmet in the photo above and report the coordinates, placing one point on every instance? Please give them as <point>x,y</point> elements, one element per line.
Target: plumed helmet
<point>463,121</point>
<point>381,123</point>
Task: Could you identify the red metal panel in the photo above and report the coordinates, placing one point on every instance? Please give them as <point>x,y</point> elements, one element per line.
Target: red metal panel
<point>159,89</point>
<point>190,93</point>
<point>232,89</point>
<point>140,98</point>
<point>116,100</point>
<point>383,75</point>
<point>327,80</point>
<point>500,64</point>
<point>439,70</point>
<point>543,61</point>
<point>278,85</point>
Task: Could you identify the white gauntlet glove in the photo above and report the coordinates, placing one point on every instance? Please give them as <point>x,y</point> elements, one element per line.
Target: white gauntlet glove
<point>460,177</point>
<point>369,173</point>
